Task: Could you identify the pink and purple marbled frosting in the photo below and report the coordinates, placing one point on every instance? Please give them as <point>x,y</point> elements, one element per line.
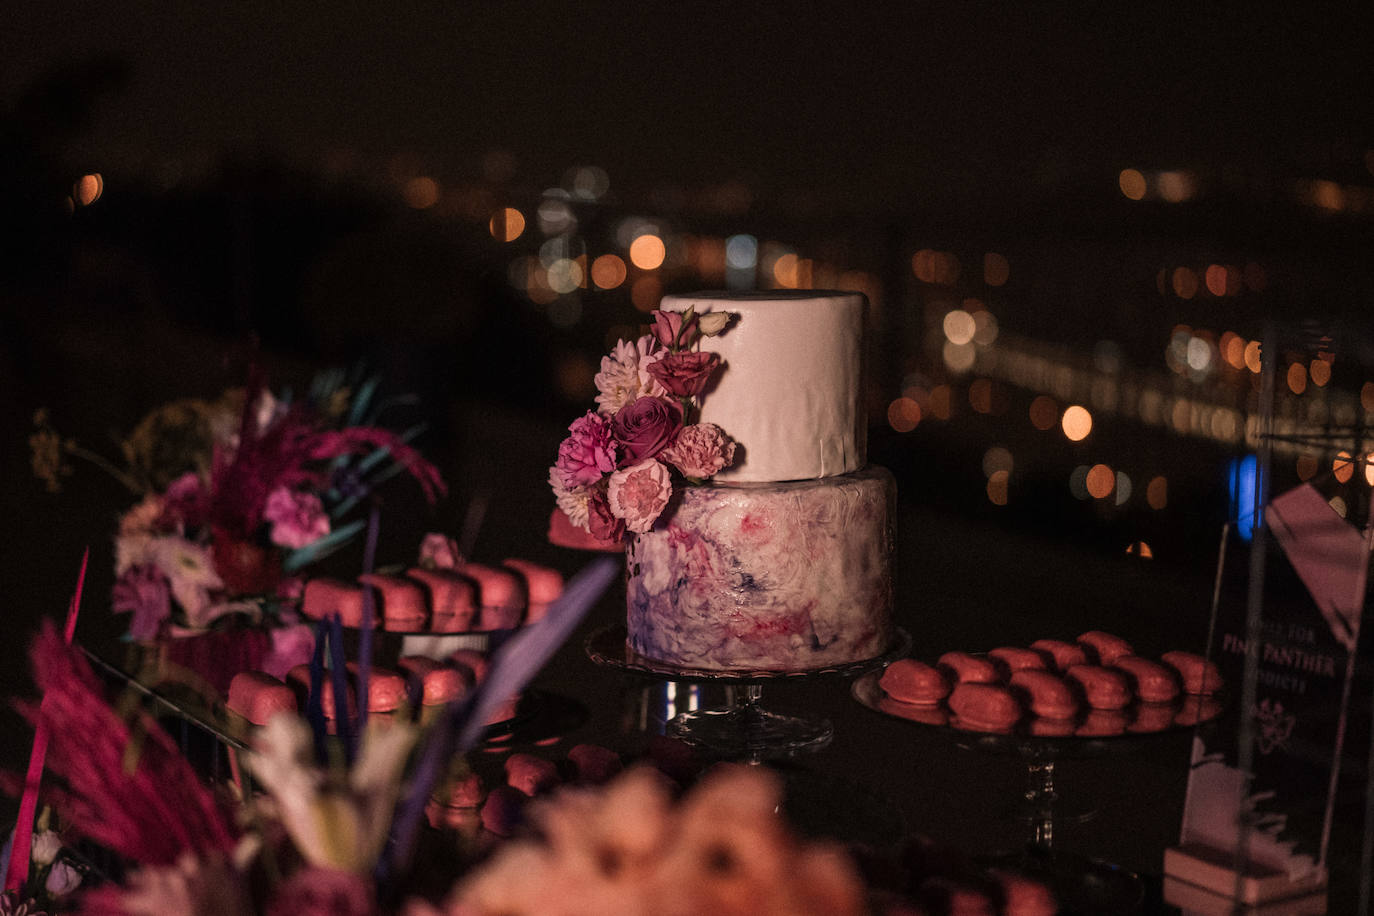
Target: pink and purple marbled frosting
<point>777,577</point>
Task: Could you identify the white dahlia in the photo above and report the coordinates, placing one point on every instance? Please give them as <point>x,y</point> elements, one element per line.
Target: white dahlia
<point>624,377</point>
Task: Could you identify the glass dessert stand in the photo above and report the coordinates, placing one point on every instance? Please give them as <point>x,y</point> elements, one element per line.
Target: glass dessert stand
<point>1082,884</point>
<point>741,729</point>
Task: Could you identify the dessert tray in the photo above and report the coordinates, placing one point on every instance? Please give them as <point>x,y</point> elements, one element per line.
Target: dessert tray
<point>1030,738</point>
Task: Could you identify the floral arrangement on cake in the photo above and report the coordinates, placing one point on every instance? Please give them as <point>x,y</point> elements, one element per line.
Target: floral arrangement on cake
<point>617,469</point>
<point>237,496</point>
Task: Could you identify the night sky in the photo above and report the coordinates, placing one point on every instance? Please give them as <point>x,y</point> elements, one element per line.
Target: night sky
<point>875,106</point>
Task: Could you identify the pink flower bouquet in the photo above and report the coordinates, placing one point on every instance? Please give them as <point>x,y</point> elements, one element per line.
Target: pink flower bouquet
<point>618,466</point>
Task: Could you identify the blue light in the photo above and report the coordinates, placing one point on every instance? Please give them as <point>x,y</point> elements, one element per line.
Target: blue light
<point>1243,475</point>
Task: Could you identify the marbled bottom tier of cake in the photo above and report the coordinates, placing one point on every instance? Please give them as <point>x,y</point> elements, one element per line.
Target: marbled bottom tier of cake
<point>768,577</point>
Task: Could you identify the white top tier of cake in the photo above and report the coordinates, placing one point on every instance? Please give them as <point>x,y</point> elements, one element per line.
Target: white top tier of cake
<point>790,391</point>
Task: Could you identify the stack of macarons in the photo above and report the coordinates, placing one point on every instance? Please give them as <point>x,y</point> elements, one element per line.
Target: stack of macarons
<point>1092,686</point>
<point>472,598</point>
<point>419,686</point>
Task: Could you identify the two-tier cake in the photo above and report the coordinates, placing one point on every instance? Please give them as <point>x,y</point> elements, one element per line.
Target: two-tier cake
<point>782,562</point>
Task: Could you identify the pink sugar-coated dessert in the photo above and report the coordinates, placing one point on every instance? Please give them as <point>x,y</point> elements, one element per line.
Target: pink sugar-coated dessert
<point>925,714</point>
<point>1153,682</point>
<point>1064,654</point>
<point>1197,708</point>
<point>594,764</point>
<point>472,659</point>
<point>504,810</point>
<point>404,604</point>
<point>258,696</point>
<point>325,596</point>
<point>1103,723</point>
<point>1106,647</point>
<point>1023,896</point>
<point>963,668</point>
<point>452,599</point>
<point>1153,717</point>
<point>1011,659</point>
<point>536,612</point>
<point>298,678</point>
<point>1051,728</point>
<point>1198,674</point>
<point>542,584</point>
<point>1103,688</point>
<point>531,775</point>
<point>439,682</point>
<point>565,534</point>
<point>984,706</point>
<point>497,587</point>
<point>386,689</point>
<point>1049,697</point>
<point>912,681</point>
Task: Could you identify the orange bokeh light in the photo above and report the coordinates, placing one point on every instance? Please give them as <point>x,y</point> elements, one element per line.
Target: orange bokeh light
<point>646,292</point>
<point>1184,283</point>
<point>89,188</point>
<point>1077,423</point>
<point>1157,493</point>
<point>1320,371</point>
<point>1043,412</point>
<point>996,269</point>
<point>1343,468</point>
<point>1297,378</point>
<point>1306,466</point>
<point>608,271</point>
<point>1132,184</point>
<point>647,252</point>
<point>997,487</point>
<point>903,414</point>
<point>1100,481</point>
<point>421,192</point>
<point>507,224</point>
<point>1215,278</point>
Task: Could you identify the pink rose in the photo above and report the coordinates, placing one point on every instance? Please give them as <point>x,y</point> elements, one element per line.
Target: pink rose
<point>668,329</point>
<point>588,452</point>
<point>685,374</point>
<point>602,523</point>
<point>297,517</point>
<point>701,450</point>
<point>639,494</point>
<point>438,551</point>
<point>645,427</point>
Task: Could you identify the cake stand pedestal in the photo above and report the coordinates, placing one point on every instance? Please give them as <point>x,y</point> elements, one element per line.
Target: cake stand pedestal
<point>1082,884</point>
<point>742,729</point>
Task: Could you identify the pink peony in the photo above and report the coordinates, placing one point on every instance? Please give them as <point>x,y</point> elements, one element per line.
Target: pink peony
<point>588,453</point>
<point>701,450</point>
<point>685,374</point>
<point>438,551</point>
<point>645,428</point>
<point>638,494</point>
<point>298,518</point>
<point>602,523</point>
<point>147,594</point>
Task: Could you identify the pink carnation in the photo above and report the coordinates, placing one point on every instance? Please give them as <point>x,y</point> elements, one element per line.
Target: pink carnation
<point>297,518</point>
<point>602,523</point>
<point>638,494</point>
<point>588,452</point>
<point>438,551</point>
<point>701,450</point>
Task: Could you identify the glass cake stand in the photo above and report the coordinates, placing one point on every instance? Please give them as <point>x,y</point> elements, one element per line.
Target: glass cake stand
<point>1092,885</point>
<point>742,729</point>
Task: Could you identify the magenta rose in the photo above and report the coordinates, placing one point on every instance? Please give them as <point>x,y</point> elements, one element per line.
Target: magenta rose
<point>297,518</point>
<point>147,594</point>
<point>640,493</point>
<point>701,450</point>
<point>601,521</point>
<point>645,427</point>
<point>684,374</point>
<point>186,503</point>
<point>588,452</point>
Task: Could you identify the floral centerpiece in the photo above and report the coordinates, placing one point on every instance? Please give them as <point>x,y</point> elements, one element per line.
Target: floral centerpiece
<point>237,497</point>
<point>617,469</point>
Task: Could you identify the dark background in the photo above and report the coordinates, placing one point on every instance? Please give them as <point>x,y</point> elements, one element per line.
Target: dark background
<point>257,164</point>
